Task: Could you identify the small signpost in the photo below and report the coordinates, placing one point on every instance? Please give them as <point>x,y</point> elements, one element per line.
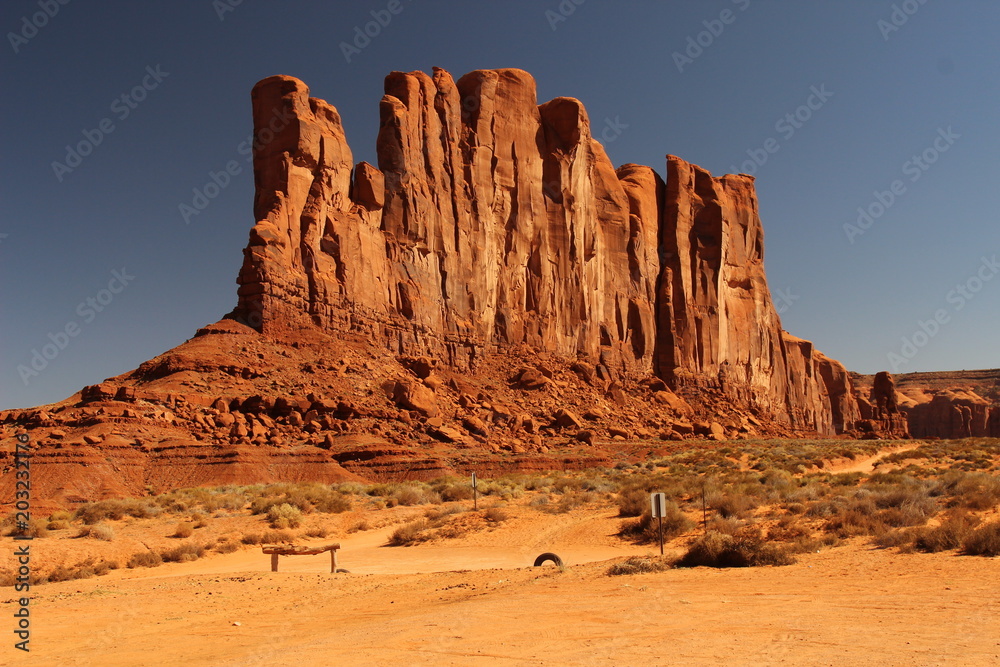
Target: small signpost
<point>658,504</point>
<point>475,493</point>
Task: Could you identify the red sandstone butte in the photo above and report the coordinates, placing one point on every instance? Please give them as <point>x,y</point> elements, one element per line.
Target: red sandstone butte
<point>502,223</point>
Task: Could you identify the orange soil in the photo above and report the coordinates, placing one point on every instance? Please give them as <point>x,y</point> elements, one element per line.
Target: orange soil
<point>476,600</point>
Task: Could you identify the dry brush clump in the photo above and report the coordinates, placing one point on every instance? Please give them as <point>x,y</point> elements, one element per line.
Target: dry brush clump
<point>284,516</point>
<point>747,548</point>
<point>183,553</point>
<point>411,533</point>
<point>115,510</point>
<point>268,537</point>
<point>145,559</point>
<point>646,529</point>
<point>100,531</point>
<point>639,565</point>
<point>984,541</point>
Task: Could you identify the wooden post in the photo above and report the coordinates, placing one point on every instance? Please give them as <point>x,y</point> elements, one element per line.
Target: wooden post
<point>475,493</point>
<point>333,561</point>
<point>274,562</point>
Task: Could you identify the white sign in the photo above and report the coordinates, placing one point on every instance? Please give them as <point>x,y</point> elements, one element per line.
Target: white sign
<point>658,502</point>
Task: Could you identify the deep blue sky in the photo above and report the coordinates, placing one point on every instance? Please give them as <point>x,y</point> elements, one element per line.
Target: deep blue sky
<point>119,207</point>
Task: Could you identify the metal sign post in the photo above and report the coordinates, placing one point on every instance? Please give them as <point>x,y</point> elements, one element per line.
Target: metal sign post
<point>658,504</point>
<point>475,493</point>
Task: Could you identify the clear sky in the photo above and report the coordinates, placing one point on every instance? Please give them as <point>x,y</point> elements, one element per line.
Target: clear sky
<point>890,107</point>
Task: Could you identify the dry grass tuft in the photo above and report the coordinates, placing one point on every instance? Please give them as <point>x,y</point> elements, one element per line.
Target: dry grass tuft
<point>639,565</point>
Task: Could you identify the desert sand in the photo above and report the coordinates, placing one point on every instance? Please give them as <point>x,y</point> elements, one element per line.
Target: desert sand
<point>476,599</point>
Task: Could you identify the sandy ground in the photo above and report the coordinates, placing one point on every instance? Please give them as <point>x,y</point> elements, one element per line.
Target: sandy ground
<point>476,600</point>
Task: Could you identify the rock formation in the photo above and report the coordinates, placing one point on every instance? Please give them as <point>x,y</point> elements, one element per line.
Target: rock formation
<point>957,404</point>
<point>494,223</point>
<point>494,296</point>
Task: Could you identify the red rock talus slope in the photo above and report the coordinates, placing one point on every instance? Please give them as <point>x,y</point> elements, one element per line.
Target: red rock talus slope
<point>496,223</point>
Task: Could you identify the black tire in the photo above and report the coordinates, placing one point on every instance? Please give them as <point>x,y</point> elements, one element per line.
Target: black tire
<point>548,555</point>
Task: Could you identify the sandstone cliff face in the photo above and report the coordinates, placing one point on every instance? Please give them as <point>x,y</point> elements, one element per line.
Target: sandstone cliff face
<point>494,223</point>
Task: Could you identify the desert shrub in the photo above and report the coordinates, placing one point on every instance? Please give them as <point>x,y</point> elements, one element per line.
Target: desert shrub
<point>360,526</point>
<point>436,514</point>
<point>893,538</point>
<point>646,529</point>
<point>59,520</point>
<point>199,520</point>
<point>951,534</point>
<point>35,528</point>
<point>569,501</point>
<point>732,505</point>
<point>284,516</point>
<point>854,522</point>
<point>975,491</point>
<point>304,497</point>
<point>116,509</point>
<point>183,553</point>
<point>984,541</point>
<point>632,502</point>
<point>226,547</point>
<point>724,526</point>
<point>145,559</point>
<point>638,565</point>
<point>452,489</point>
<point>268,537</point>
<point>746,549</point>
<point>183,530</point>
<point>411,533</point>
<point>495,515</point>
<point>788,529</point>
<point>101,531</point>
<point>412,495</point>
<point>61,573</point>
<point>317,531</point>
<point>104,567</point>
